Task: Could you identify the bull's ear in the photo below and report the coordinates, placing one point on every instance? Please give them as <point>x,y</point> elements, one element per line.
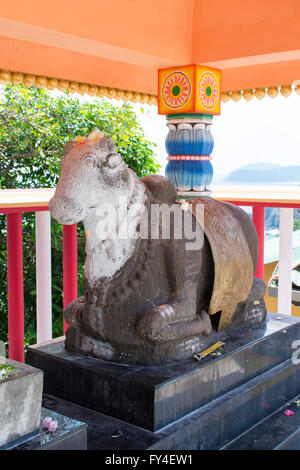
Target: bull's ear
<point>106,144</point>
<point>69,146</point>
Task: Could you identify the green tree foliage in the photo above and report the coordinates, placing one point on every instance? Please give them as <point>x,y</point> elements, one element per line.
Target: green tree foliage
<point>296,224</point>
<point>34,127</point>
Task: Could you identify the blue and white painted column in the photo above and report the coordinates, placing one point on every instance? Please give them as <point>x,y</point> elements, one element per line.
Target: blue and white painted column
<point>189,145</point>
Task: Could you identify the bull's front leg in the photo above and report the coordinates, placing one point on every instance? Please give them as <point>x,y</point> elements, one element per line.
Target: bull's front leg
<point>178,319</point>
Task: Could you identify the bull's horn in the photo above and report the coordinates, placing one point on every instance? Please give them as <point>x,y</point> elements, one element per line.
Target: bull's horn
<point>79,138</point>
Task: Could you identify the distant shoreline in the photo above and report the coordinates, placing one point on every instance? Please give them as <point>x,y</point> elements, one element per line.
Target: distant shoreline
<point>255,183</point>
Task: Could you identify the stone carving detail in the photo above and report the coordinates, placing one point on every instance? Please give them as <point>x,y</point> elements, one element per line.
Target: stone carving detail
<point>150,300</point>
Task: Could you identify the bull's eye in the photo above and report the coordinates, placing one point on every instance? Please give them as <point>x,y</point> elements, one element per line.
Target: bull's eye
<point>112,160</point>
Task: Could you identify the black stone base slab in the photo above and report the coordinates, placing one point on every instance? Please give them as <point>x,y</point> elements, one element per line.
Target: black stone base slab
<point>224,419</point>
<point>211,427</point>
<point>70,435</point>
<point>153,397</point>
<point>276,432</point>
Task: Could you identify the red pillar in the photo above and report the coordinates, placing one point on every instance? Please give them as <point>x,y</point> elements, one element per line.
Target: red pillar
<point>258,217</point>
<point>15,287</point>
<point>70,285</point>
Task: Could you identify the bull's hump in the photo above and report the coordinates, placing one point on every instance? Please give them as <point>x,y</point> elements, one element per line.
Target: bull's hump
<point>161,188</point>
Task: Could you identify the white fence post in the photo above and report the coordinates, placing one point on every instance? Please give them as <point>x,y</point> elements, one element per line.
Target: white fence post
<point>43,276</point>
<point>285,261</point>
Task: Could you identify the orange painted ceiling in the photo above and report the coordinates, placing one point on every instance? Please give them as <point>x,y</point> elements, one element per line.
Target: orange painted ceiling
<point>122,43</point>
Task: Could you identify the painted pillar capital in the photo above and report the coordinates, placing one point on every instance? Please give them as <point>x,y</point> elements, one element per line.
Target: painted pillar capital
<point>189,96</point>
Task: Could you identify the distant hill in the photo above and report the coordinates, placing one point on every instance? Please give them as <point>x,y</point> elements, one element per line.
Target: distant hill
<point>262,165</point>
<point>264,173</point>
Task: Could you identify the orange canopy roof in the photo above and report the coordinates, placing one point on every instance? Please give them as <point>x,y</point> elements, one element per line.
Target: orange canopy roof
<point>122,43</point>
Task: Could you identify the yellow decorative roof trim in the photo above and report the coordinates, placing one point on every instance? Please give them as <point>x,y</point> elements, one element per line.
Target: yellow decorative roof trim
<point>82,88</point>
<point>260,92</point>
<point>127,95</point>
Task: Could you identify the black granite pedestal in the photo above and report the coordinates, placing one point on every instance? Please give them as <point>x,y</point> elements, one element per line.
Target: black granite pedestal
<point>277,431</point>
<point>191,405</point>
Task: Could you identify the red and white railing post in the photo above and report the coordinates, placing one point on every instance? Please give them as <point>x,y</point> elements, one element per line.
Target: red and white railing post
<point>70,283</point>
<point>258,217</point>
<point>15,287</point>
<point>43,276</point>
<point>285,261</point>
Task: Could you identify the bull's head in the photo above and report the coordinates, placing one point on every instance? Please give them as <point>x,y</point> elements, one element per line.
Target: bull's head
<point>92,173</point>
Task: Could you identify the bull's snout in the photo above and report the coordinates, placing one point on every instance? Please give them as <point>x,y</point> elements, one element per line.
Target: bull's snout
<point>66,211</point>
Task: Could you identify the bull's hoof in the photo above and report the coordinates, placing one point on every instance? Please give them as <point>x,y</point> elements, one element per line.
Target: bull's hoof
<point>73,312</point>
<point>206,322</point>
<point>161,325</point>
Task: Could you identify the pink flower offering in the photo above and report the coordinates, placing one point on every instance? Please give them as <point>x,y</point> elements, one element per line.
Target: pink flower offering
<point>288,413</point>
<point>53,426</point>
<point>46,422</point>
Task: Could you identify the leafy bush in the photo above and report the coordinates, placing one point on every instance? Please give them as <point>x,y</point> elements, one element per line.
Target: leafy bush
<point>34,127</point>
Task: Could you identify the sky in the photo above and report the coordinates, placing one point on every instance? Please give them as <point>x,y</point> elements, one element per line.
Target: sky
<point>246,132</point>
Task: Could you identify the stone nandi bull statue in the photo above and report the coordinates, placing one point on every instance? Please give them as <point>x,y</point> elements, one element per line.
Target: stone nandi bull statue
<point>151,301</point>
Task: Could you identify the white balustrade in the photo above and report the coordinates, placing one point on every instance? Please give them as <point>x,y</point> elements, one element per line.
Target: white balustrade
<point>43,276</point>
<point>285,261</point>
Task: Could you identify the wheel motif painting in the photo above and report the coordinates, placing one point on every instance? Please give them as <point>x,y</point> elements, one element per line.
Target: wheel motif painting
<point>176,89</point>
<point>208,90</point>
